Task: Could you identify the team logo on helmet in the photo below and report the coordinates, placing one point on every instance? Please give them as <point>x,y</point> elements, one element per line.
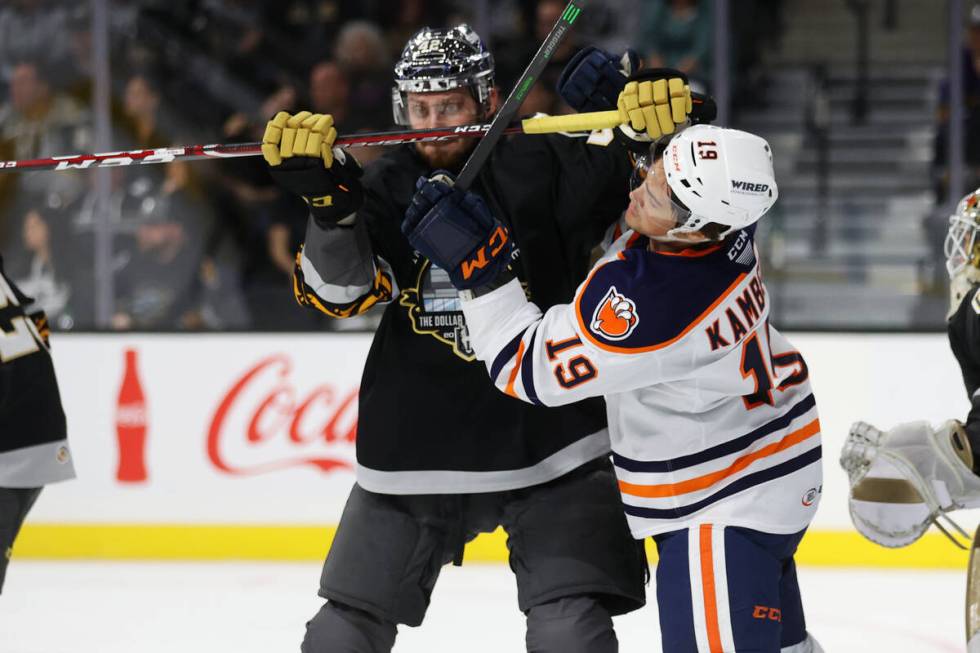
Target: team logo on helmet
<point>615,318</point>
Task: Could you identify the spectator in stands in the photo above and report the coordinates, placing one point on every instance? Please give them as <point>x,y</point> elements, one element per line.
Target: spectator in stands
<point>330,91</point>
<point>363,55</point>
<point>157,285</point>
<point>411,16</point>
<point>259,221</point>
<point>141,113</point>
<point>513,58</point>
<point>37,121</point>
<point>677,34</point>
<point>33,29</point>
<point>43,273</point>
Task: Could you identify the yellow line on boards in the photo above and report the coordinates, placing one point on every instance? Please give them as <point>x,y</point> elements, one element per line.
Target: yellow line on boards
<point>237,542</point>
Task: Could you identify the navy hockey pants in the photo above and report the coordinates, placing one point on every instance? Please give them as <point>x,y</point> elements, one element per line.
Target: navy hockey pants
<point>725,588</point>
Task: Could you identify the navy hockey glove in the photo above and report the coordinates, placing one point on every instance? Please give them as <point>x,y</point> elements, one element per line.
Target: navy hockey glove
<point>455,230</point>
<point>301,157</point>
<point>593,79</point>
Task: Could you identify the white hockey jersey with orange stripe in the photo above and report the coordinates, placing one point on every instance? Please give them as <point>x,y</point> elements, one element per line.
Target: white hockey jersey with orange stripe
<point>711,414</point>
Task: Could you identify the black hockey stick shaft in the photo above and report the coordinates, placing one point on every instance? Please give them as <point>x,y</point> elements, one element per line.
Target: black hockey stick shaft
<point>513,102</point>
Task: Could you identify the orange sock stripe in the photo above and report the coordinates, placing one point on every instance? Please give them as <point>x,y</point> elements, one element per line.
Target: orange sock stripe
<point>706,481</point>
<point>708,589</point>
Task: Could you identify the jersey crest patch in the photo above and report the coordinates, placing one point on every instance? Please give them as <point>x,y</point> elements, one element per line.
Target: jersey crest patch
<point>976,302</point>
<point>615,317</point>
<point>434,309</point>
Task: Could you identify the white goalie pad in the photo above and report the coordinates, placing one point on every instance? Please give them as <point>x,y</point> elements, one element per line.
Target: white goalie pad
<point>907,478</point>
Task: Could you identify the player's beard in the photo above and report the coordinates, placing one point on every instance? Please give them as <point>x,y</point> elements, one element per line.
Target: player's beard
<point>447,155</point>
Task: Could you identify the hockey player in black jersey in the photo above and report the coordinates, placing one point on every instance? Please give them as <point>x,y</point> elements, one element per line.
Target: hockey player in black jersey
<point>33,445</point>
<point>441,455</point>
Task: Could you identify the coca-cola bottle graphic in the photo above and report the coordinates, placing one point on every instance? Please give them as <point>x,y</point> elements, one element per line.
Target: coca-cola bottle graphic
<point>131,424</point>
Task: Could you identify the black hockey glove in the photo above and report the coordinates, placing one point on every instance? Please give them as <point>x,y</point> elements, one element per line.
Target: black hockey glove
<point>301,157</point>
<point>654,104</point>
<point>593,79</point>
<point>455,230</point>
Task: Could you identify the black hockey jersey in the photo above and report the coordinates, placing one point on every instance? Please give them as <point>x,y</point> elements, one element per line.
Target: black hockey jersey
<point>430,421</point>
<point>33,445</point>
<point>963,329</point>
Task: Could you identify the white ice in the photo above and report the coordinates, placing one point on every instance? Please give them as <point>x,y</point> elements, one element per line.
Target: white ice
<point>102,607</point>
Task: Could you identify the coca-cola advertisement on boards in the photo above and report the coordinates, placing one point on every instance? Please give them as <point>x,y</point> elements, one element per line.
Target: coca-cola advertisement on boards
<point>244,429</point>
<point>265,423</point>
<point>131,424</point>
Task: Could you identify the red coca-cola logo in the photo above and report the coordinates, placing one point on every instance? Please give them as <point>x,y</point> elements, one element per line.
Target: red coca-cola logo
<point>263,425</point>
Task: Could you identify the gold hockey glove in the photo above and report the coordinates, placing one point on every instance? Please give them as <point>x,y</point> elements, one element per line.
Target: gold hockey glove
<point>654,104</point>
<point>302,159</point>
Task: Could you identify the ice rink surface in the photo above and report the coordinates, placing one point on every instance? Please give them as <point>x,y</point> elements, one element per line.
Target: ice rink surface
<point>103,607</point>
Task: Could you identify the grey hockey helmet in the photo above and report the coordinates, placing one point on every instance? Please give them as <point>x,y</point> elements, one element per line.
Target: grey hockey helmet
<point>436,60</point>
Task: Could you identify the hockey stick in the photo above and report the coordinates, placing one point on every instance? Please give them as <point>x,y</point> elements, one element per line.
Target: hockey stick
<point>513,102</point>
<point>703,111</point>
<point>542,125</point>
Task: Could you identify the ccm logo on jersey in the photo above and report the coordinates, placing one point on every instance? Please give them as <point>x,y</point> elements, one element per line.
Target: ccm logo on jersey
<point>615,318</point>
<point>811,496</point>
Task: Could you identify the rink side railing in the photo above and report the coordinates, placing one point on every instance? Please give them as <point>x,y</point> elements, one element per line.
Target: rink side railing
<point>820,548</point>
<point>242,446</point>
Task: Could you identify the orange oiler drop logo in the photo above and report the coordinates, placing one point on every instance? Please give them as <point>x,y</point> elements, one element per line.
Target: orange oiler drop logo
<point>615,318</point>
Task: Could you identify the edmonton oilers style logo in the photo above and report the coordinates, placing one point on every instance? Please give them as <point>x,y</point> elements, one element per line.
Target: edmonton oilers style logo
<point>615,317</point>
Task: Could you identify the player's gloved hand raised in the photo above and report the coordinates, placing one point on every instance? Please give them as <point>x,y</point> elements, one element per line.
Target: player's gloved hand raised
<point>593,79</point>
<point>455,230</point>
<point>302,159</point>
<point>653,104</point>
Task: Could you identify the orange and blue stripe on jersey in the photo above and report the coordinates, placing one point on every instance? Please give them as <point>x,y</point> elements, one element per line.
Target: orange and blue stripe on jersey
<point>519,357</point>
<point>678,487</point>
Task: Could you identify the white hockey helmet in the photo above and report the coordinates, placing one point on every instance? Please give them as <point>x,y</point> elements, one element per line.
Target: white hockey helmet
<point>962,248</point>
<point>718,175</point>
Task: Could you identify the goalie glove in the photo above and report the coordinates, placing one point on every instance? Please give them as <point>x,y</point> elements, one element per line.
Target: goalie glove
<point>593,79</point>
<point>907,478</point>
<point>301,158</point>
<point>456,231</point>
<point>653,104</point>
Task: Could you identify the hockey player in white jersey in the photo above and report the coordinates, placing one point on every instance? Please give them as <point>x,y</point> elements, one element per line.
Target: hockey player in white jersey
<point>911,476</point>
<point>714,427</point>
